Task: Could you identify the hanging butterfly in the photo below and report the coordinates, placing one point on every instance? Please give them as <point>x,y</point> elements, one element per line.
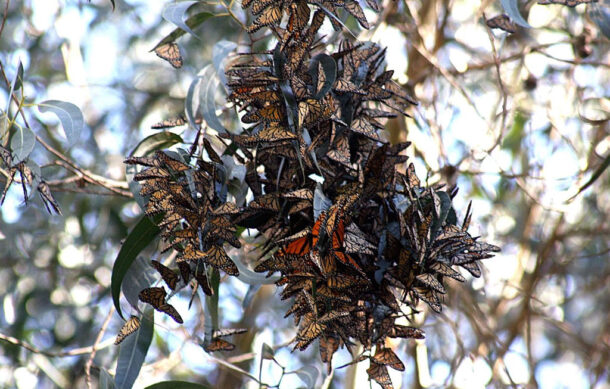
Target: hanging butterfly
<point>171,53</point>
<point>400,331</point>
<point>328,346</point>
<point>168,275</point>
<point>171,311</point>
<point>218,344</point>
<point>128,328</point>
<point>380,374</point>
<point>154,296</point>
<point>502,22</point>
<point>385,356</point>
<point>308,332</point>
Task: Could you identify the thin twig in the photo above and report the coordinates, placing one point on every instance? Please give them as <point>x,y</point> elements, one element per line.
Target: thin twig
<point>94,347</point>
<point>52,354</point>
<point>4,17</point>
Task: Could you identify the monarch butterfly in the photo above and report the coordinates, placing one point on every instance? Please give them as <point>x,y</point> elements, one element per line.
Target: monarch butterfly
<point>362,126</point>
<point>342,281</point>
<point>385,356</point>
<point>380,374</point>
<point>190,253</point>
<point>333,315</point>
<point>328,293</point>
<point>275,134</point>
<point>172,163</point>
<point>299,87</point>
<point>345,86</point>
<point>271,15</point>
<point>300,206</point>
<point>354,8</point>
<point>299,16</point>
<point>217,257</point>
<point>260,5</point>
<point>128,328</point>
<point>150,173</point>
<point>218,344</point>
<point>446,270</point>
<point>357,244</point>
<point>185,271</point>
<point>472,268</point>
<point>428,296</point>
<point>268,202</point>
<point>373,4</point>
<point>172,122</point>
<point>431,281</point>
<point>154,296</point>
<point>302,194</point>
<point>328,346</point>
<point>412,179</point>
<point>308,332</point>
<point>502,22</point>
<point>168,275</point>
<point>226,209</point>
<point>171,53</point>
<point>400,331</point>
<point>171,311</point>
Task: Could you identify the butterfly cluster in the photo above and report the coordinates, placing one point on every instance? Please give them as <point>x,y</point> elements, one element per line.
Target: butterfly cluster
<point>356,237</point>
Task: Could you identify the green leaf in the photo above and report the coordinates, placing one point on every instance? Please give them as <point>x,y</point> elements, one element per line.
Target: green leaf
<point>22,144</point>
<point>69,115</point>
<point>158,141</point>
<point>177,385</point>
<point>191,22</point>
<point>512,9</point>
<point>141,235</point>
<point>133,351</point>
<point>106,380</point>
<point>512,140</point>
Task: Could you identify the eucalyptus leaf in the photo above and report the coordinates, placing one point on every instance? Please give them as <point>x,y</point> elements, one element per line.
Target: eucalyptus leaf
<point>133,350</point>
<point>309,375</point>
<point>140,275</point>
<point>15,85</point>
<point>158,141</point>
<point>220,51</point>
<point>140,237</point>
<point>249,277</point>
<point>511,7</point>
<point>69,115</point>
<point>176,13</point>
<point>22,144</point>
<point>106,380</point>
<point>209,88</point>
<point>192,22</point>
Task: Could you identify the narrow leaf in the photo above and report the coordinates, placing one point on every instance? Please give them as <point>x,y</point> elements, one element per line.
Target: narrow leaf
<point>512,9</point>
<point>192,22</point>
<point>209,88</point>
<point>22,144</point>
<point>15,85</point>
<point>219,54</point>
<point>140,275</point>
<point>133,351</point>
<point>69,115</point>
<point>141,235</point>
<point>598,172</point>
<point>158,141</point>
<point>176,14</point>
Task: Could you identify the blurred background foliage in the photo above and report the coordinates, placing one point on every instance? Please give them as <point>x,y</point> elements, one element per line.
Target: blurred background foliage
<point>518,121</point>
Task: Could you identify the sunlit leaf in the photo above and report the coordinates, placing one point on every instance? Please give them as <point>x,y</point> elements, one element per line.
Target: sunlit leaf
<point>69,115</point>
<point>192,22</point>
<point>219,54</point>
<point>141,235</point>
<point>176,14</point>
<point>133,350</point>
